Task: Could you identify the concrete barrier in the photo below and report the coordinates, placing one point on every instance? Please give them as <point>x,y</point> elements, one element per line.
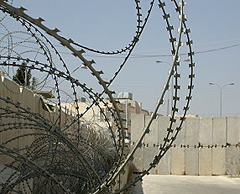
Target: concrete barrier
<point>205,146</point>
<point>205,161</point>
<point>177,161</point>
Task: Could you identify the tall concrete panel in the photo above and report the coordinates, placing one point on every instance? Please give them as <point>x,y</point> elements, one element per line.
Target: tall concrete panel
<point>233,161</point>
<point>28,102</point>
<point>10,90</point>
<point>163,123</point>
<point>192,131</point>
<point>138,159</point>
<point>205,161</point>
<point>219,161</point>
<point>205,131</point>
<point>164,166</point>
<point>219,130</point>
<point>178,161</point>
<point>137,126</point>
<point>213,158</point>
<point>148,156</point>
<point>233,130</point>
<point>181,137</point>
<point>152,137</point>
<point>205,139</point>
<point>192,161</point>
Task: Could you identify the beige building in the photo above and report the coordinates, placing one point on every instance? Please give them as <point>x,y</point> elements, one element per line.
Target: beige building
<point>99,114</point>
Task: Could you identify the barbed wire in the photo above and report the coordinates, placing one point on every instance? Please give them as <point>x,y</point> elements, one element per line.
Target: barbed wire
<point>68,154</point>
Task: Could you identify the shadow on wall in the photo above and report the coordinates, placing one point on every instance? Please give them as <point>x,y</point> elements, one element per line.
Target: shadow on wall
<point>138,189</point>
<point>133,173</point>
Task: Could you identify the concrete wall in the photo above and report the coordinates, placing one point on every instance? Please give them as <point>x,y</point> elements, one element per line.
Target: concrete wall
<point>28,100</point>
<point>205,146</point>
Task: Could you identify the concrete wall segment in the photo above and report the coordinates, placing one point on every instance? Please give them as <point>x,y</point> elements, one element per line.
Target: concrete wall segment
<point>181,138</point>
<point>233,130</point>
<point>205,161</point>
<point>233,161</point>
<point>138,121</point>
<point>192,131</point>
<point>192,161</point>
<point>164,166</point>
<point>219,130</point>
<point>177,161</point>
<point>205,131</point>
<point>163,123</point>
<point>218,161</point>
<point>200,147</point>
<point>152,137</point>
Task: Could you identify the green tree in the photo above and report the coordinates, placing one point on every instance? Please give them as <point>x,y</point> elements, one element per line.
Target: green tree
<point>23,76</point>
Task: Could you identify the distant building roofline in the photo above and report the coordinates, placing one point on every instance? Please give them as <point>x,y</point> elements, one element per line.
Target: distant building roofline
<point>45,94</point>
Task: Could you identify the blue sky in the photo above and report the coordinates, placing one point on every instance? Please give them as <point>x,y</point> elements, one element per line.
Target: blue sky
<point>110,25</point>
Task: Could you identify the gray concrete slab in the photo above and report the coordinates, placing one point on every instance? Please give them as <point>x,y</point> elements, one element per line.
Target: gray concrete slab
<point>233,130</point>
<point>192,161</point>
<point>177,161</point>
<point>205,131</point>
<point>163,124</point>
<point>181,138</point>
<point>192,131</point>
<point>152,137</point>
<point>219,130</point>
<point>138,123</point>
<point>205,161</point>
<point>172,184</point>
<point>218,161</point>
<point>164,166</point>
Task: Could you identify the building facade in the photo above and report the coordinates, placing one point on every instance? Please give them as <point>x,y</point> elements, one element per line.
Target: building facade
<point>103,115</point>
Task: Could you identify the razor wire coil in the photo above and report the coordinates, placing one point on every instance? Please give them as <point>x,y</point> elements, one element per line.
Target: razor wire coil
<point>38,162</point>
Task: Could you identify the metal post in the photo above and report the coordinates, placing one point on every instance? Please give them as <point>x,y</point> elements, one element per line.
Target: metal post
<point>220,102</point>
<point>221,94</point>
<point>170,91</point>
<point>26,76</point>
